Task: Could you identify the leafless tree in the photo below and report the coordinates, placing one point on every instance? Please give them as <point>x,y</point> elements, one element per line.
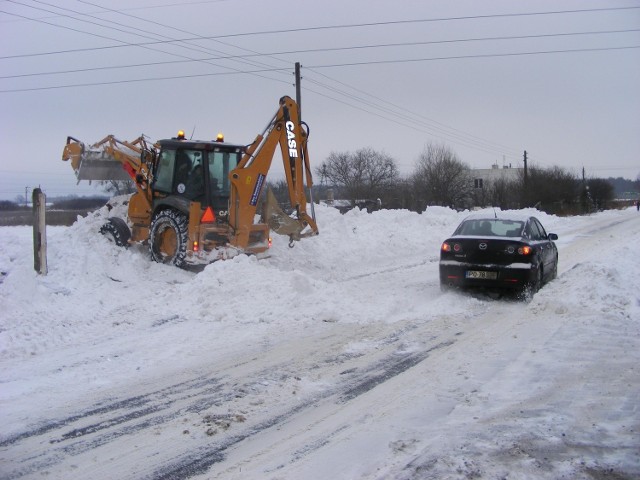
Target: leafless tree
<point>440,178</point>
<point>601,192</point>
<point>118,187</point>
<point>504,193</point>
<point>364,174</point>
<point>549,188</point>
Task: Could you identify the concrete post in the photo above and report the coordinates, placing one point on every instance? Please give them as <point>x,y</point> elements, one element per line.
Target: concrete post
<point>39,232</point>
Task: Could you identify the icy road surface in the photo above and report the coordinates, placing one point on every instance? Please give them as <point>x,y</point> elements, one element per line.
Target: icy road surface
<point>337,359</point>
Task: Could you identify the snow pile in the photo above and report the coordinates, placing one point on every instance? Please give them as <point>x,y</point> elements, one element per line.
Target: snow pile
<point>349,329</point>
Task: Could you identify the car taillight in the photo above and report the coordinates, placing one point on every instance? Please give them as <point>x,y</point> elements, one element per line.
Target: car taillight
<point>448,247</point>
<point>525,250</point>
<point>196,246</point>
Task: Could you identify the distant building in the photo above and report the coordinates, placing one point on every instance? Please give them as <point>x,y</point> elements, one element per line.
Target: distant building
<point>482,177</point>
<point>489,186</point>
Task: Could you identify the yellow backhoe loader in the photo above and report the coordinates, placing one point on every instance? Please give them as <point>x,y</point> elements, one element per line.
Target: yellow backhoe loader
<point>196,200</point>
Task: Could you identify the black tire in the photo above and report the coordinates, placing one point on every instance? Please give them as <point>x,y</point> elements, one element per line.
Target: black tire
<point>554,272</point>
<point>168,237</point>
<point>117,231</point>
<point>532,287</point>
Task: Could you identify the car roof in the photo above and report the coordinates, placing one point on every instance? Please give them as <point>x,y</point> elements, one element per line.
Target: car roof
<point>512,216</point>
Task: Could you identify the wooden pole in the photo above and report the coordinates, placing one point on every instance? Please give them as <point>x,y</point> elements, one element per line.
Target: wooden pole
<point>39,232</point>
<point>526,181</point>
<point>298,89</point>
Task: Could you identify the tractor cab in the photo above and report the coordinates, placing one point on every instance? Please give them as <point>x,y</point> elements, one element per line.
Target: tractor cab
<point>197,171</point>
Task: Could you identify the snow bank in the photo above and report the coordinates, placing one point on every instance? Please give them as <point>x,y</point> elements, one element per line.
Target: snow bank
<point>107,320</point>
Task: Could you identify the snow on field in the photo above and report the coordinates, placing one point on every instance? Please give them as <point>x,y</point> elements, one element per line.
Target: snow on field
<point>339,358</point>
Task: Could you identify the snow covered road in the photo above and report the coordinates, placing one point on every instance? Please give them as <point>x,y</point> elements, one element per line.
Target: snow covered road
<point>337,359</point>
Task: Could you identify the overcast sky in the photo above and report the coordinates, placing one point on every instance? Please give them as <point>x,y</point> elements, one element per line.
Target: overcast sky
<point>557,78</point>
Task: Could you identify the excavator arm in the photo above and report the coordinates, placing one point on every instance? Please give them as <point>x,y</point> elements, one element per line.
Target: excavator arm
<point>109,159</point>
<point>249,177</point>
<point>113,159</point>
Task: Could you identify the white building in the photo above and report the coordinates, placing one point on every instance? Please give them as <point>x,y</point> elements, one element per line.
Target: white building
<point>484,176</point>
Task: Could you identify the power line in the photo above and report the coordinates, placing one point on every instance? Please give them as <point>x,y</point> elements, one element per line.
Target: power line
<point>320,50</point>
<point>316,28</point>
<point>182,3</point>
<point>404,115</point>
<point>188,45</point>
<point>461,57</point>
<point>139,80</point>
<point>416,122</point>
<point>476,141</point>
<point>145,45</point>
<point>332,65</point>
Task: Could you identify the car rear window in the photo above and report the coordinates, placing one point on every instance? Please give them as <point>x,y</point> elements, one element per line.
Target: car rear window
<point>491,227</point>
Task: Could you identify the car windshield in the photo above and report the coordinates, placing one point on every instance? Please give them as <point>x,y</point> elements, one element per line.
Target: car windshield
<point>491,227</point>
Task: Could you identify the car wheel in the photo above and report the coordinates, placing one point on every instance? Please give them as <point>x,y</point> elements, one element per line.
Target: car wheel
<point>532,287</point>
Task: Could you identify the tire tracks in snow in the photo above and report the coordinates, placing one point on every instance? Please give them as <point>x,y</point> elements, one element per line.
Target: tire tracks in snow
<point>53,443</point>
<point>358,383</point>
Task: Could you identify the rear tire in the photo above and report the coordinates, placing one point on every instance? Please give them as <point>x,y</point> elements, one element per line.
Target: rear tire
<point>168,237</point>
<point>532,287</point>
<point>117,231</point>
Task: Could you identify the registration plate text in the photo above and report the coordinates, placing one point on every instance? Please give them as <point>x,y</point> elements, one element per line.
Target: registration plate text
<point>481,275</point>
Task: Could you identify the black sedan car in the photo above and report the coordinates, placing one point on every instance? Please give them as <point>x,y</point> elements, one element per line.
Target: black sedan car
<point>499,251</point>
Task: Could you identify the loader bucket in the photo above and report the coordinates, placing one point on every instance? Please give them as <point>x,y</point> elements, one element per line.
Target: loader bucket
<point>92,164</point>
<point>279,221</point>
<point>92,168</point>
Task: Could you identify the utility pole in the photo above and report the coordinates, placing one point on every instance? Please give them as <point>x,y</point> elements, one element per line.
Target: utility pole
<point>26,196</point>
<point>526,180</point>
<point>298,99</point>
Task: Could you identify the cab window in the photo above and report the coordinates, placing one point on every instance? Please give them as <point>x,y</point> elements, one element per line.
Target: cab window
<point>220,164</point>
<point>180,172</point>
<point>163,178</point>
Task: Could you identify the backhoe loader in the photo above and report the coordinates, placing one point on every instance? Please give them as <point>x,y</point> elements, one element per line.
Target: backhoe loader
<point>196,200</point>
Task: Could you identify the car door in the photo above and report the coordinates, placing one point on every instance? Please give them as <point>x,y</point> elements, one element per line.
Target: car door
<point>547,248</point>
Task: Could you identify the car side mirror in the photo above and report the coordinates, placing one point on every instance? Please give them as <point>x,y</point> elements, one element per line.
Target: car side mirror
<point>552,236</point>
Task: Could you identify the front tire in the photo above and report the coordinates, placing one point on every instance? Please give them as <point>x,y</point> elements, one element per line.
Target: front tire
<point>168,237</point>
<point>554,272</point>
<point>117,231</point>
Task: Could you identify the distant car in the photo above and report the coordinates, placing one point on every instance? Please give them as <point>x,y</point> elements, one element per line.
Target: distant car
<point>499,251</point>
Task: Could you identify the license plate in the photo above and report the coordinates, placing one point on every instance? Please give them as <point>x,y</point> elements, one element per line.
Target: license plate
<point>481,275</point>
